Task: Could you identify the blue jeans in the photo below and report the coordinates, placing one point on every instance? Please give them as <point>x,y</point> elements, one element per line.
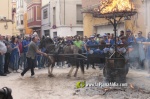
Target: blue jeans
<point>43,61</point>
<point>16,62</point>
<point>2,58</point>
<point>38,58</point>
<point>21,59</point>
<point>24,60</point>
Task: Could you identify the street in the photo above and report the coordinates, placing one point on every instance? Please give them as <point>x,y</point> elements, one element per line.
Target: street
<point>61,87</point>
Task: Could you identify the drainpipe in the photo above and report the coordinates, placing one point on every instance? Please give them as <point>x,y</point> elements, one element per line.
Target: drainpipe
<point>64,12</point>
<point>39,30</point>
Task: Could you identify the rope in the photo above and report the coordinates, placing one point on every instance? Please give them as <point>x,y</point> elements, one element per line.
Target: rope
<point>69,55</point>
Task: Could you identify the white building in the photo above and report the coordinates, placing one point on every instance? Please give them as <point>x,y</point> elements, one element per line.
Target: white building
<point>66,18</point>
<point>20,15</point>
<point>45,17</point>
<point>147,15</point>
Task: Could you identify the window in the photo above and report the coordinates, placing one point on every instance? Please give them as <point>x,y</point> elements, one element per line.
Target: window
<point>38,11</point>
<point>79,15</point>
<point>21,3</point>
<point>80,33</point>
<point>21,22</point>
<point>46,32</point>
<point>21,17</point>
<point>54,16</point>
<point>32,14</point>
<point>45,14</point>
<point>29,16</point>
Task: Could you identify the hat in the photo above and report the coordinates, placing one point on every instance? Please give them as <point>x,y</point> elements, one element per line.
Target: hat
<point>104,35</point>
<point>128,30</point>
<point>33,36</point>
<point>35,33</point>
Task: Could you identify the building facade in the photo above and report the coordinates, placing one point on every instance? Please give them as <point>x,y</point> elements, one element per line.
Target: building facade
<point>146,4</point>
<point>27,30</point>
<point>20,16</point>
<point>6,17</point>
<point>94,25</point>
<point>66,18</point>
<point>45,17</point>
<point>101,25</point>
<point>14,19</point>
<point>34,15</point>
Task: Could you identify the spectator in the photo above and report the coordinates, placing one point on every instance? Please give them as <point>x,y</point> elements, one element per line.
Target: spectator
<point>25,44</point>
<point>130,38</point>
<point>14,57</point>
<point>78,43</point>
<point>91,42</point>
<point>2,59</point>
<point>121,34</point>
<point>7,56</point>
<point>148,53</point>
<point>21,52</point>
<point>140,38</point>
<point>106,39</point>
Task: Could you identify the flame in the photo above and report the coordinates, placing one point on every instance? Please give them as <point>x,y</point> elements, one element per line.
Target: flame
<point>109,6</point>
<point>131,86</point>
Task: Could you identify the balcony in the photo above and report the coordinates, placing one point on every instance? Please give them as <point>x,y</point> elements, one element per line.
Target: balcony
<point>20,26</point>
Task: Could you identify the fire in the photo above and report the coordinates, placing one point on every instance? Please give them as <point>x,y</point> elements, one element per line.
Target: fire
<point>131,86</point>
<point>109,6</point>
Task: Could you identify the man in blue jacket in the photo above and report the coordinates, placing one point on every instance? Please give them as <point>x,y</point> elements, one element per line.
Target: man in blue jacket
<point>25,44</point>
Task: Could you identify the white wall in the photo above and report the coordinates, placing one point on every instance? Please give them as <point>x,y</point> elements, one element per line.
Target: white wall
<point>147,17</point>
<point>70,11</point>
<point>56,4</point>
<point>44,2</point>
<point>109,29</point>
<point>70,17</point>
<point>45,22</point>
<point>65,31</point>
<point>24,6</point>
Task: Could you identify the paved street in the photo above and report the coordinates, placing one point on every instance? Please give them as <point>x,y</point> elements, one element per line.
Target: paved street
<point>60,87</point>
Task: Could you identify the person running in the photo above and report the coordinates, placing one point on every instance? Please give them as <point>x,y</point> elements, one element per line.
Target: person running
<point>31,53</point>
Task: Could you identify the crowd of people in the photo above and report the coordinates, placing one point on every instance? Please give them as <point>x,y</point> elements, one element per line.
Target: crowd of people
<point>18,53</point>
